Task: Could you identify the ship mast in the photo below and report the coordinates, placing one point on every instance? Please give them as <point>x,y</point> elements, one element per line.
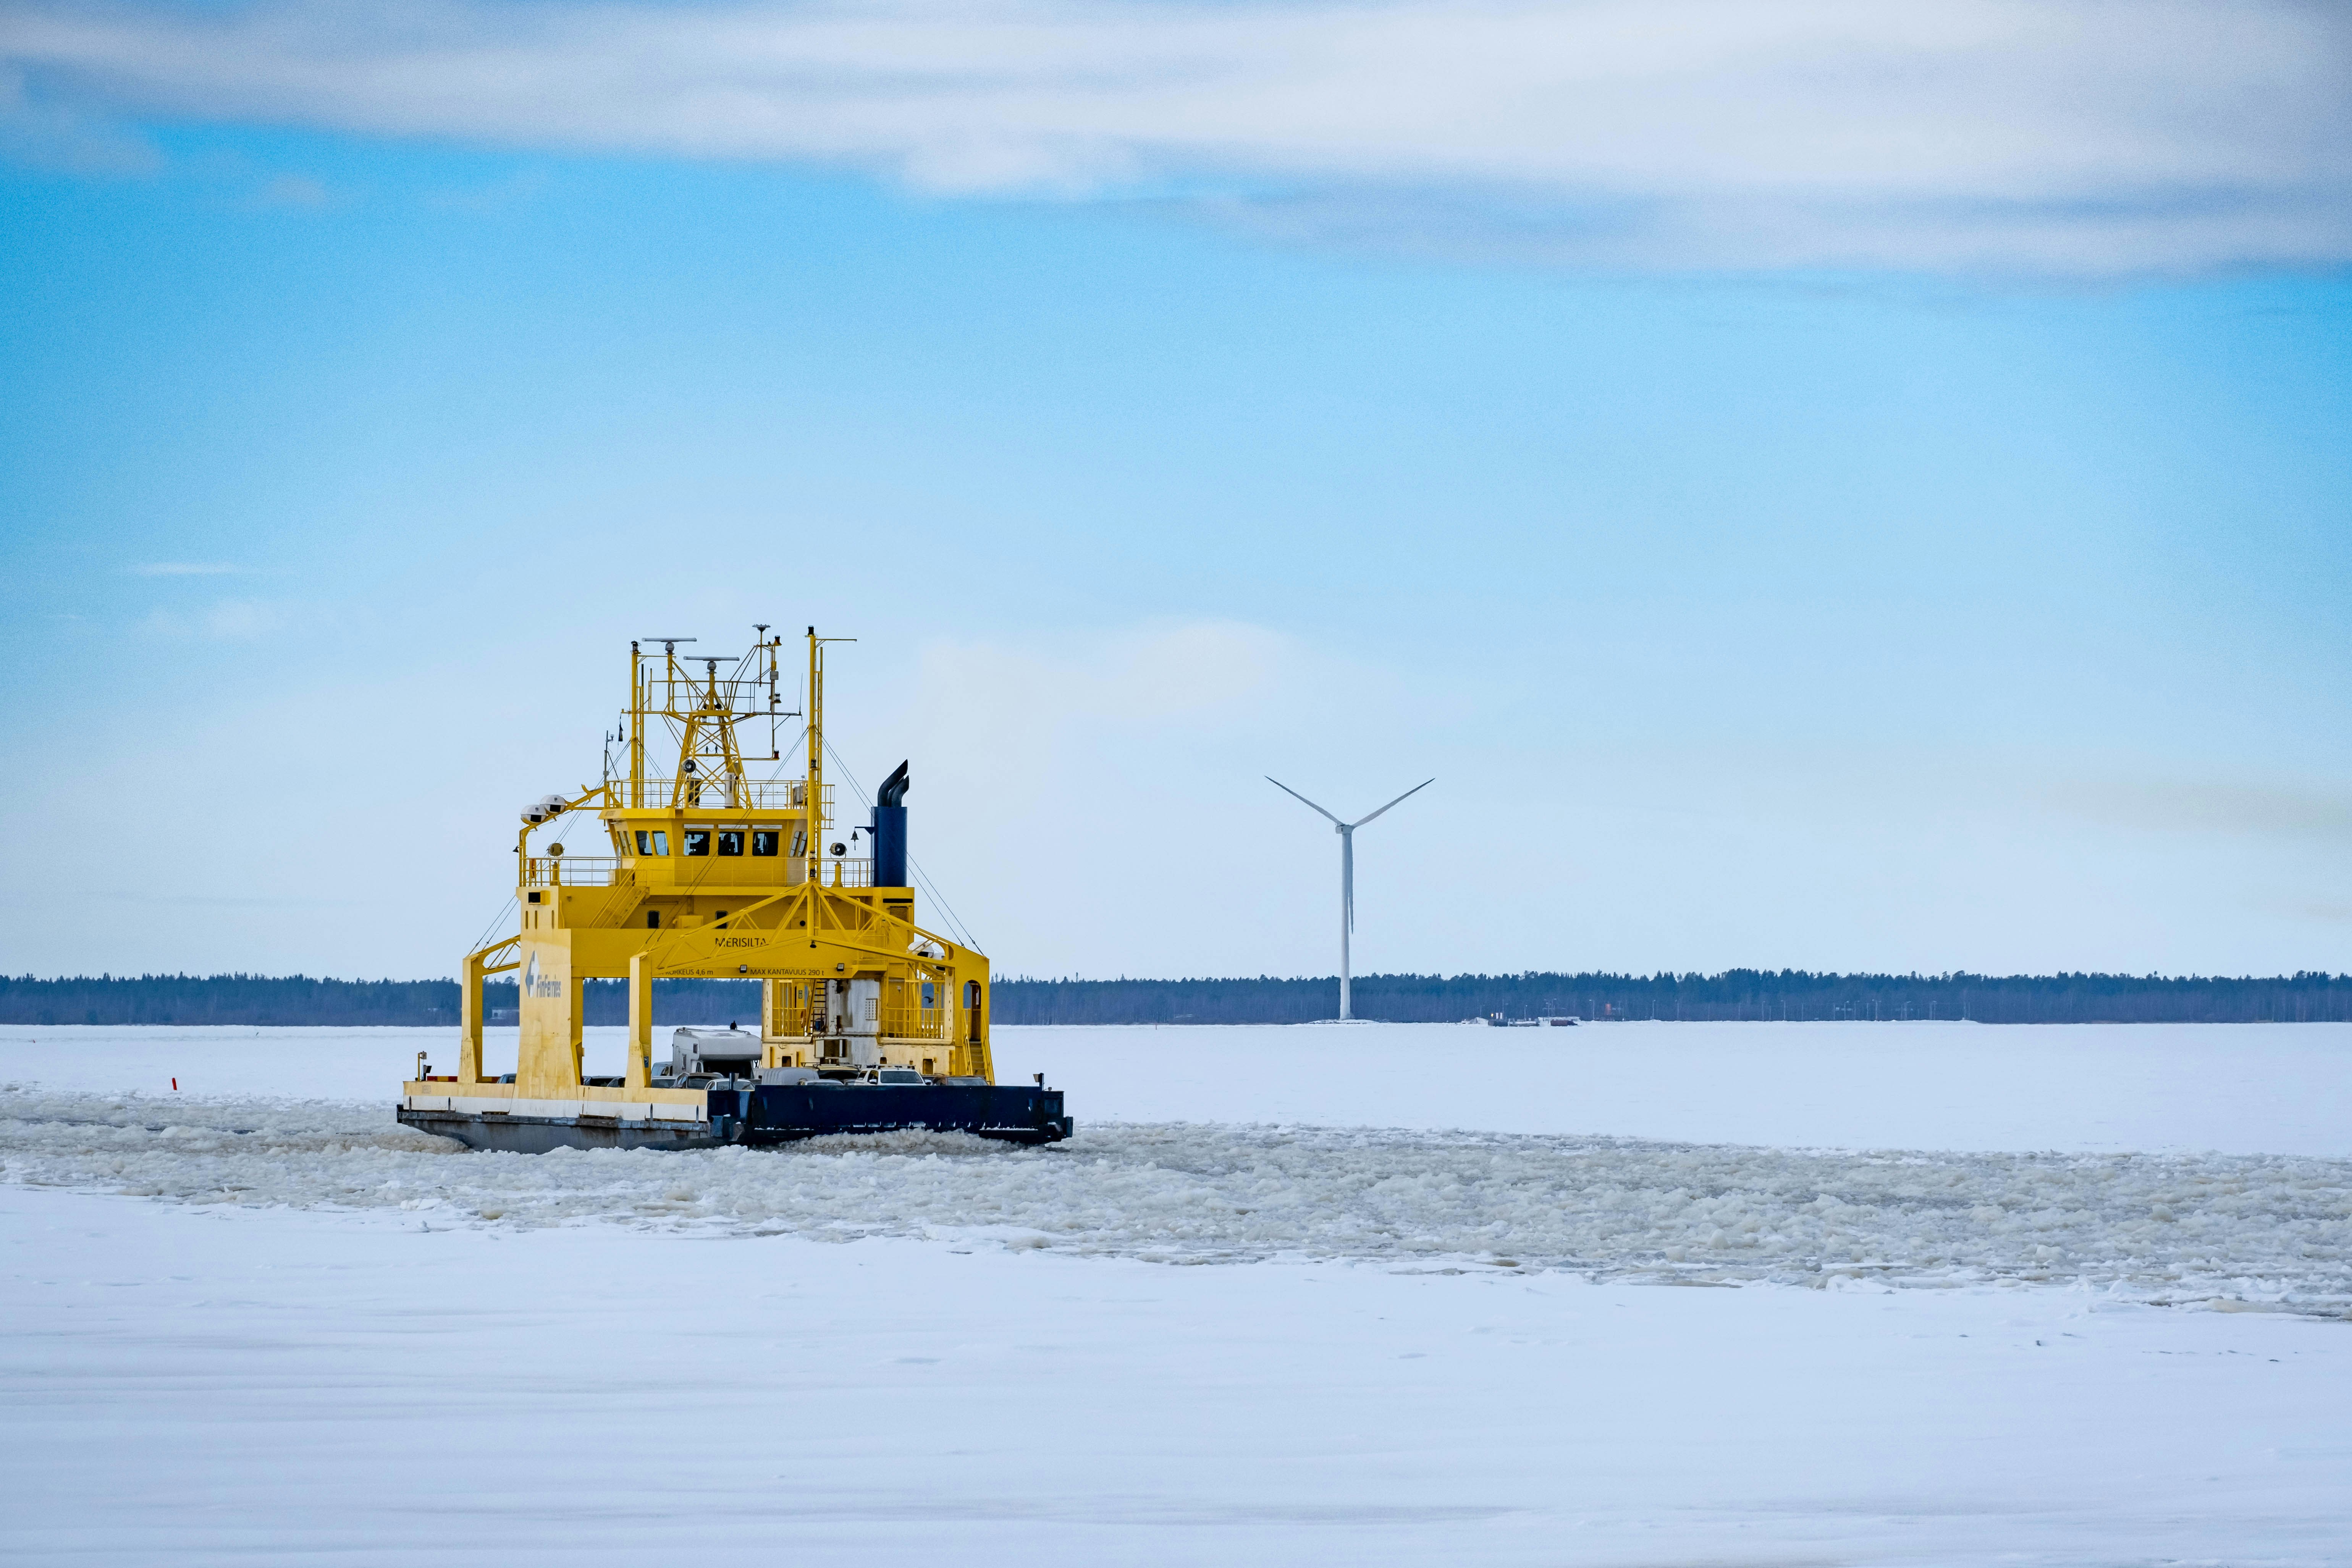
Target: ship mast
<point>816,744</point>
<point>815,804</point>
<point>636,726</point>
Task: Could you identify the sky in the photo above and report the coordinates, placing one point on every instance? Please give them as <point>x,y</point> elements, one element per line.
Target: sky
<point>1816,485</point>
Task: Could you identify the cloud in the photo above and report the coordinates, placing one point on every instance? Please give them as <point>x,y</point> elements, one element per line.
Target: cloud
<point>2269,812</point>
<point>225,620</point>
<point>1212,673</point>
<point>2317,910</point>
<point>1122,702</point>
<point>182,569</point>
<point>517,189</point>
<point>43,135</point>
<point>240,620</point>
<point>293,191</point>
<point>2086,138</point>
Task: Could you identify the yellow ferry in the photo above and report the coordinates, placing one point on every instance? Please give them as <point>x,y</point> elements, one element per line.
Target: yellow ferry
<point>867,1022</point>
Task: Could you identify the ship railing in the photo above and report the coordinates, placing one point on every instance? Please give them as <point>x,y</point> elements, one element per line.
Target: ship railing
<point>568,871</point>
<point>720,794</point>
<point>919,1023</point>
<point>791,1021</point>
<point>604,872</point>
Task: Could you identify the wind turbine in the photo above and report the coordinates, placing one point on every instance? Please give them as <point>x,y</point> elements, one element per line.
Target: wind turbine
<point>1347,831</point>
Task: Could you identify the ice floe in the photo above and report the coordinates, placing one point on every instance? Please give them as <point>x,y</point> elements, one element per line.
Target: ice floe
<point>2266,1228</point>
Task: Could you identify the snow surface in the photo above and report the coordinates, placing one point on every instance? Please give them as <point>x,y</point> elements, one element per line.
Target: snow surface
<point>215,1385</point>
<point>1448,1342</point>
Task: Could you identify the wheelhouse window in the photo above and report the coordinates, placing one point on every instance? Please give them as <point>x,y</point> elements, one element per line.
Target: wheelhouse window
<point>730,841</point>
<point>654,843</point>
<point>698,841</point>
<point>764,840</point>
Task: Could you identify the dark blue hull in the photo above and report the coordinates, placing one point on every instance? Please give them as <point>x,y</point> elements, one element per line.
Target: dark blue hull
<point>783,1113</point>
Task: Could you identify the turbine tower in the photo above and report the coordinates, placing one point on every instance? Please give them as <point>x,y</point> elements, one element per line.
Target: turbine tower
<point>1347,831</point>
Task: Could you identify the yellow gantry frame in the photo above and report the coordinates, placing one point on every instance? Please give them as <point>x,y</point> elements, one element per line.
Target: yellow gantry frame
<point>787,930</point>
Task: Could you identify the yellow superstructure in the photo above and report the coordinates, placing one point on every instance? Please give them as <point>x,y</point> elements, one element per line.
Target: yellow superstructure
<point>714,874</point>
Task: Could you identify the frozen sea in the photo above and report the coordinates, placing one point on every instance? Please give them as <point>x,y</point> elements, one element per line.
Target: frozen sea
<point>1378,1294</point>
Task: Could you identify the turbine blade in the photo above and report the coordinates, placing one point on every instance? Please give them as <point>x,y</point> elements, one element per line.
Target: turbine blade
<point>1413,791</point>
<point>1348,877</point>
<point>1295,796</point>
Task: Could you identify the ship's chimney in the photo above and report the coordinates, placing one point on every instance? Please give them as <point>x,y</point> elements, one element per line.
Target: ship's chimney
<point>890,831</point>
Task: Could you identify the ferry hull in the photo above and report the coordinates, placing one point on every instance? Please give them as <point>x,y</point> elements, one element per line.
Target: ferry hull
<point>542,1134</point>
<point>783,1113</point>
<point>773,1115</point>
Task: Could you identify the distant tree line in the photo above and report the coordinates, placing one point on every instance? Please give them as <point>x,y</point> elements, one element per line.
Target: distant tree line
<point>298,1000</point>
<point>1735,993</point>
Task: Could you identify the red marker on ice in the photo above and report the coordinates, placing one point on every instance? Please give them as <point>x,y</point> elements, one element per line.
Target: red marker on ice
<point>175,1084</point>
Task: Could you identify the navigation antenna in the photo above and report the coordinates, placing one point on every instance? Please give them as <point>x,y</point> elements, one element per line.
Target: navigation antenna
<point>775,703</point>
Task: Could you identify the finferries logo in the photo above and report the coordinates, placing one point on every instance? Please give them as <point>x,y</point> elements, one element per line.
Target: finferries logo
<point>532,986</point>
